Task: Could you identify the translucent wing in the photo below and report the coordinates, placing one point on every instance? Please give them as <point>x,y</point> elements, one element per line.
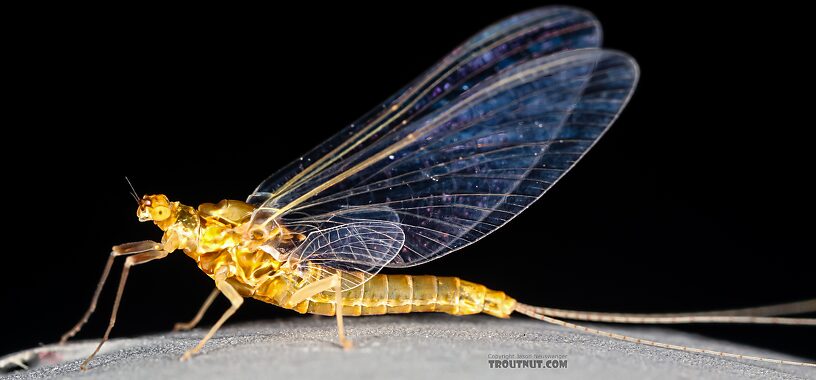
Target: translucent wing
<point>455,167</point>
<point>357,246</point>
<point>514,40</point>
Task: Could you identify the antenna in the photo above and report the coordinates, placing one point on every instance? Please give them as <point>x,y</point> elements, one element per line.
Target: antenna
<point>133,190</point>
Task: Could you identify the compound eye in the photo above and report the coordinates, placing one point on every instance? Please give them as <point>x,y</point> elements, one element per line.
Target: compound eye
<point>160,213</point>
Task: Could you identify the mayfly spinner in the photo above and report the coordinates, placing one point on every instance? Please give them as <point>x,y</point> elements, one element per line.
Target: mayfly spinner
<point>449,159</point>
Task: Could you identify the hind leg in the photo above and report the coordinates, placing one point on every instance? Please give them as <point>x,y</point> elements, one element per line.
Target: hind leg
<point>338,306</point>
<point>318,287</point>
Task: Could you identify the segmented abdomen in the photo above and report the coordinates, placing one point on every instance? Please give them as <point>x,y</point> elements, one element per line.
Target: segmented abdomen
<point>391,294</point>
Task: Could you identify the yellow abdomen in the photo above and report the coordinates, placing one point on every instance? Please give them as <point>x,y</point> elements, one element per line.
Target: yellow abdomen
<point>392,294</point>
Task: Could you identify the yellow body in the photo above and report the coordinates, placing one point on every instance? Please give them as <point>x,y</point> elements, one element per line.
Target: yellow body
<point>218,238</point>
<point>248,258</point>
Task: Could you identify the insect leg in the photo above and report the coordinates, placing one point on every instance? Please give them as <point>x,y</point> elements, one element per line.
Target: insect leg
<point>234,298</point>
<point>320,286</point>
<point>338,307</point>
<point>119,250</point>
<point>183,326</point>
<point>136,259</point>
<point>310,290</point>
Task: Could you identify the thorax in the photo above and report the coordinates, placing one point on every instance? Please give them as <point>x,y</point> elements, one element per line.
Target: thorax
<point>214,235</point>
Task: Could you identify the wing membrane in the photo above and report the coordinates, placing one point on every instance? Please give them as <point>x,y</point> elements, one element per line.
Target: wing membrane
<point>356,244</point>
<point>455,166</point>
<point>514,40</point>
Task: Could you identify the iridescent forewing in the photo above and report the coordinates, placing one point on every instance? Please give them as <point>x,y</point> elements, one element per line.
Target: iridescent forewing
<point>512,41</point>
<point>462,164</point>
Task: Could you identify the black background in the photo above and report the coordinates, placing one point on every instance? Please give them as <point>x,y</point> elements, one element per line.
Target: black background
<point>700,197</point>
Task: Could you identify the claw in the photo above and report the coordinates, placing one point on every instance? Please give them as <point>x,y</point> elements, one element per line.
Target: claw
<point>187,356</point>
<point>181,326</point>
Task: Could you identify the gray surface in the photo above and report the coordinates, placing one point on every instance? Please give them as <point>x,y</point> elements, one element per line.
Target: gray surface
<point>409,347</point>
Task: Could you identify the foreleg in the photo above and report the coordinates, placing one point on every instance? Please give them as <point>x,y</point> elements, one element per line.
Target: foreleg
<point>136,259</point>
<point>119,250</point>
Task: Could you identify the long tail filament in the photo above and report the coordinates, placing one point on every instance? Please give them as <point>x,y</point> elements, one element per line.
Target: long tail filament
<point>541,314</point>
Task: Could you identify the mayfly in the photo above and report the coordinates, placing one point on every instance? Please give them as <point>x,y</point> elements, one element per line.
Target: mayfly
<point>452,157</point>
